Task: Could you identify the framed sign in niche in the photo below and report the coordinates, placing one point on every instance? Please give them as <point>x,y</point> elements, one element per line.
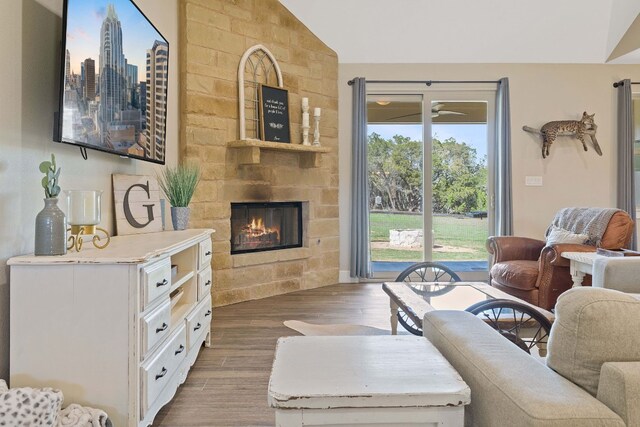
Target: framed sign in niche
<point>274,114</point>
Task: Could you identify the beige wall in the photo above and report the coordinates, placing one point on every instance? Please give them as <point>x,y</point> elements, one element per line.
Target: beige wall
<point>29,73</point>
<point>539,93</point>
<point>216,35</point>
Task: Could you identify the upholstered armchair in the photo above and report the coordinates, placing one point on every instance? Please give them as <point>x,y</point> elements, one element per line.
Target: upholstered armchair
<point>532,271</point>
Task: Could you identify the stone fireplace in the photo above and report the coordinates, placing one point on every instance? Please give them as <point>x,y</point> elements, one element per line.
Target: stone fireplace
<point>214,36</point>
<point>258,227</point>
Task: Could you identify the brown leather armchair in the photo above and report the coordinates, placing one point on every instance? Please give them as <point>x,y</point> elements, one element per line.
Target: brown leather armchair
<point>533,272</point>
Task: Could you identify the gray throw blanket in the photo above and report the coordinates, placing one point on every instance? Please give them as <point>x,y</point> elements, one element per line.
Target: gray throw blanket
<point>590,221</point>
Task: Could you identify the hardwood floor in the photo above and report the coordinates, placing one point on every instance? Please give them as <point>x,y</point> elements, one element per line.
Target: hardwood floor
<point>227,385</point>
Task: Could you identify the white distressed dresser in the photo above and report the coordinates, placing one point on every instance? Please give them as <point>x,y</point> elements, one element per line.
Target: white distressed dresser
<point>118,328</point>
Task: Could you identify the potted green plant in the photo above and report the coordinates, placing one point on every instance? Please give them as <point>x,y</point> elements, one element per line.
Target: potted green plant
<point>178,184</point>
<point>51,223</point>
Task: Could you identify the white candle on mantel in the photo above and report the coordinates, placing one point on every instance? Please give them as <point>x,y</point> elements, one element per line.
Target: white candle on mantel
<point>305,102</point>
<point>316,112</point>
<point>305,119</point>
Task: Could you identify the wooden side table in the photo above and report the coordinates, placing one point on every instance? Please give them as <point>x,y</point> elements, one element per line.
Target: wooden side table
<point>364,380</point>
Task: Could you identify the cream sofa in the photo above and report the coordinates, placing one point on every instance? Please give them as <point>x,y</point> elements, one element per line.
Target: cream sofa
<point>621,274</point>
<point>592,376</point>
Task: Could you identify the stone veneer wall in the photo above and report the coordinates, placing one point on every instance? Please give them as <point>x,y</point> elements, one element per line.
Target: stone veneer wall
<point>214,35</point>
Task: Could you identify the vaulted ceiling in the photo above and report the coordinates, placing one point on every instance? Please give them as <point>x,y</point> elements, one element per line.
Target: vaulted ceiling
<point>480,31</point>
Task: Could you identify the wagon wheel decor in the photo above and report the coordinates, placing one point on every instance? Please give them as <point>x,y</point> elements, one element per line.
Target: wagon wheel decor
<point>521,324</point>
<point>439,277</point>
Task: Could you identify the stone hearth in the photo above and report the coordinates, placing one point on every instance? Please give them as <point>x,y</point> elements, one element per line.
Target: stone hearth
<point>215,34</point>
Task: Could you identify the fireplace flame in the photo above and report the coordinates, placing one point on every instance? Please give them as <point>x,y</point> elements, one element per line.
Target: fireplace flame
<point>257,228</point>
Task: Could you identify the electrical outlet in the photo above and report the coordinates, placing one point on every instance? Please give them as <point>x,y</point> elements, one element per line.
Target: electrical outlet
<point>533,181</point>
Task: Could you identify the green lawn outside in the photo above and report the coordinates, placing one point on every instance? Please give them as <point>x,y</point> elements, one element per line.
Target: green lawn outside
<point>462,238</point>
<point>380,223</point>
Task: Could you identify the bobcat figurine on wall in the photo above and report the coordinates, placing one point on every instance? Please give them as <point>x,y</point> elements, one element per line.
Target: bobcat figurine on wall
<point>575,128</point>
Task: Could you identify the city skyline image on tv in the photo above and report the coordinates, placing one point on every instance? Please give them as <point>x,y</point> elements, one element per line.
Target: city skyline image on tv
<point>115,78</point>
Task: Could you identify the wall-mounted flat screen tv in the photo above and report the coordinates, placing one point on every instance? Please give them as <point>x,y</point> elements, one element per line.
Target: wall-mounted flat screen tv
<point>113,88</point>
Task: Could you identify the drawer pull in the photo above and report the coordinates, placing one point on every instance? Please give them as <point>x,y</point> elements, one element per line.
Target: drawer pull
<point>179,350</point>
<point>208,313</point>
<point>198,326</point>
<point>162,328</point>
<point>207,253</point>
<point>162,373</point>
<point>164,282</point>
<point>208,283</point>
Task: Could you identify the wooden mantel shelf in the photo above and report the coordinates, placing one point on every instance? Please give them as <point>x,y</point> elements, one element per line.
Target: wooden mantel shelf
<point>249,151</point>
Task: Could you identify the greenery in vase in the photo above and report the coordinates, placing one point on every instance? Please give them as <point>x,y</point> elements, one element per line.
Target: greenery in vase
<point>179,183</point>
<point>50,180</point>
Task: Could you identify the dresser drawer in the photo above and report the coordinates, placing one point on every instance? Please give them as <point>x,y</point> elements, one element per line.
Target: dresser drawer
<point>198,322</point>
<point>205,281</point>
<point>156,281</point>
<point>158,370</point>
<point>155,326</point>
<point>204,251</point>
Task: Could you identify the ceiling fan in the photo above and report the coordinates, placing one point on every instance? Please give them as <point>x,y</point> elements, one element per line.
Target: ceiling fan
<point>436,111</point>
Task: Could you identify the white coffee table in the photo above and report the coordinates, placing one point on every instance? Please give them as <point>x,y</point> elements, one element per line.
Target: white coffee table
<point>364,380</point>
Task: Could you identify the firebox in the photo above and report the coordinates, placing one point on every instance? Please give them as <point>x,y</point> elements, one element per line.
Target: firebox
<point>265,226</point>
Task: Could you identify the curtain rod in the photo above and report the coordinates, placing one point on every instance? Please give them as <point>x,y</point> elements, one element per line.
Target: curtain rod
<point>621,83</point>
<point>427,82</point>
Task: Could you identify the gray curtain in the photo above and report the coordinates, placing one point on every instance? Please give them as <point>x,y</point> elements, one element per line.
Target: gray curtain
<point>626,199</point>
<point>360,257</point>
<point>502,201</point>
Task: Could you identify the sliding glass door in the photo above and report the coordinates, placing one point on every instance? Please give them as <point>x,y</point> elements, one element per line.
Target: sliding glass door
<point>396,179</point>
<point>459,178</point>
<point>429,178</point>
